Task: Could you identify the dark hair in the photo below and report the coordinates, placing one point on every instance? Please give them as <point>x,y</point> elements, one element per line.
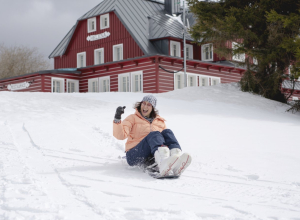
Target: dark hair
<point>153,113</point>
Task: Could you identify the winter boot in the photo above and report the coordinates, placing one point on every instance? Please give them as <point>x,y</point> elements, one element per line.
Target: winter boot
<point>164,161</point>
<point>184,160</point>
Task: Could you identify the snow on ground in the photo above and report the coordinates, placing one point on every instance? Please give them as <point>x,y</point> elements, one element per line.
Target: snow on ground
<point>59,160</point>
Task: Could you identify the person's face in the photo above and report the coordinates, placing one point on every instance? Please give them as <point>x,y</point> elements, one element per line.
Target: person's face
<point>146,109</point>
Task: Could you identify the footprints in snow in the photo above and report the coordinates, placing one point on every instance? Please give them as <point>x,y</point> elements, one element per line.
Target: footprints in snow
<point>252,177</point>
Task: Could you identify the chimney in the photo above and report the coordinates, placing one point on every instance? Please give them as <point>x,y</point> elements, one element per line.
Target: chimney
<point>172,6</point>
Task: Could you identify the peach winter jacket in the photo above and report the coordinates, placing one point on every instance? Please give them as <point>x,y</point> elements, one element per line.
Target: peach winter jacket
<point>135,127</point>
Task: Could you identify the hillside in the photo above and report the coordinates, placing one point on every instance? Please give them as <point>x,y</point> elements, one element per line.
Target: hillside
<point>59,160</point>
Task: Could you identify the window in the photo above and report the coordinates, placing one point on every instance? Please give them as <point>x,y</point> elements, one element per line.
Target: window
<point>93,85</point>
<point>118,52</point>
<point>215,81</point>
<point>255,61</point>
<point>99,56</point>
<point>295,98</point>
<point>104,21</point>
<point>104,84</point>
<point>175,49</point>
<point>81,60</point>
<point>72,86</point>
<point>124,82</point>
<point>137,81</point>
<point>289,70</point>
<point>57,85</point>
<point>91,25</point>
<point>189,51</point>
<point>203,81</point>
<point>192,80</point>
<point>178,80</point>
<point>237,57</point>
<point>207,52</point>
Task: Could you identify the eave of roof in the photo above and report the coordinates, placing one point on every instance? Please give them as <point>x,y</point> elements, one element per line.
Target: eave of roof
<point>43,72</point>
<point>215,64</point>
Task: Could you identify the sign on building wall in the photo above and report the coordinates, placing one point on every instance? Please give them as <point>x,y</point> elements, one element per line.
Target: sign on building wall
<point>18,86</point>
<point>98,36</point>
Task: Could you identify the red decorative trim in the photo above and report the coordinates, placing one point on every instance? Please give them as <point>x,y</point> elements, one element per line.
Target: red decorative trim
<point>170,167</point>
<point>156,73</point>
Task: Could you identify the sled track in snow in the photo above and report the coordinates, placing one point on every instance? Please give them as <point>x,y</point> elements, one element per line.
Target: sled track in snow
<point>29,147</point>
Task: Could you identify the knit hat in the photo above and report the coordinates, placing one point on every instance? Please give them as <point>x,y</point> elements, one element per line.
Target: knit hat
<point>151,99</point>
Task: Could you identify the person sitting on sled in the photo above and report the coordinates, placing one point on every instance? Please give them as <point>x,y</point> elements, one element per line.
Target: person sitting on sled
<point>147,136</point>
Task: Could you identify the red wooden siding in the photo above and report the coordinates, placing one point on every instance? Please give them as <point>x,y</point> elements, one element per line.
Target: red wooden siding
<point>197,55</point>
<point>47,80</point>
<point>166,80</point>
<point>155,79</point>
<point>36,85</point>
<point>148,68</point>
<point>295,94</point>
<point>118,35</point>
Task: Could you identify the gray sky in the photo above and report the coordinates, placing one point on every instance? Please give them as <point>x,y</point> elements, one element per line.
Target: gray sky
<point>39,23</point>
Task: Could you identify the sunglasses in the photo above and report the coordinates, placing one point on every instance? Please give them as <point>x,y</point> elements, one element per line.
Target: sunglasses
<point>145,103</point>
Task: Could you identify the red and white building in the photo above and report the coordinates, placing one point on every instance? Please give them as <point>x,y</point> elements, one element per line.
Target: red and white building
<point>128,46</point>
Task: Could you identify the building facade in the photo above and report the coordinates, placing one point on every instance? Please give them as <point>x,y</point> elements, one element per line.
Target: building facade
<point>129,46</point>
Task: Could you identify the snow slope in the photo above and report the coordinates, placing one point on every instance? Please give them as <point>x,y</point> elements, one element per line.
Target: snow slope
<point>59,160</point>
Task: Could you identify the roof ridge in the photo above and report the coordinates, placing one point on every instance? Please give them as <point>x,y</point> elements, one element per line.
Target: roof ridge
<point>83,17</point>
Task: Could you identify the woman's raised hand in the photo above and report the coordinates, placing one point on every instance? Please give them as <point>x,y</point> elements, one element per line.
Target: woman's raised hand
<point>119,112</point>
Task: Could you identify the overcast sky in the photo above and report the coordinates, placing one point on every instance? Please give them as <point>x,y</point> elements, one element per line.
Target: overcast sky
<point>40,23</point>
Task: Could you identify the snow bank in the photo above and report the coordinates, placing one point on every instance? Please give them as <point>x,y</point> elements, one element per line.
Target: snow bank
<point>59,160</point>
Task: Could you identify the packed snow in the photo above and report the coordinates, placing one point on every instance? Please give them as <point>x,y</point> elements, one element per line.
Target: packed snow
<point>59,159</point>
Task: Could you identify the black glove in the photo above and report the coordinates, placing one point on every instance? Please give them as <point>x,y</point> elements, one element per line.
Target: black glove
<point>119,112</point>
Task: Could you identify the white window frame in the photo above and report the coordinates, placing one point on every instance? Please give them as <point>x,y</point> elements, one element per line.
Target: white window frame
<point>181,80</point>
<point>90,85</point>
<point>178,50</point>
<point>217,79</point>
<point>190,51</point>
<point>238,57</point>
<point>89,25</point>
<point>101,87</point>
<point>206,80</point>
<point>78,59</point>
<point>195,80</point>
<point>140,82</point>
<point>76,82</point>
<point>255,61</point>
<point>289,69</point>
<point>62,84</point>
<point>203,52</point>
<point>115,52</point>
<point>96,56</point>
<point>102,18</point>
<point>120,82</point>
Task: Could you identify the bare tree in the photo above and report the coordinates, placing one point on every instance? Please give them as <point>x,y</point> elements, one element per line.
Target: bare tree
<point>19,60</point>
